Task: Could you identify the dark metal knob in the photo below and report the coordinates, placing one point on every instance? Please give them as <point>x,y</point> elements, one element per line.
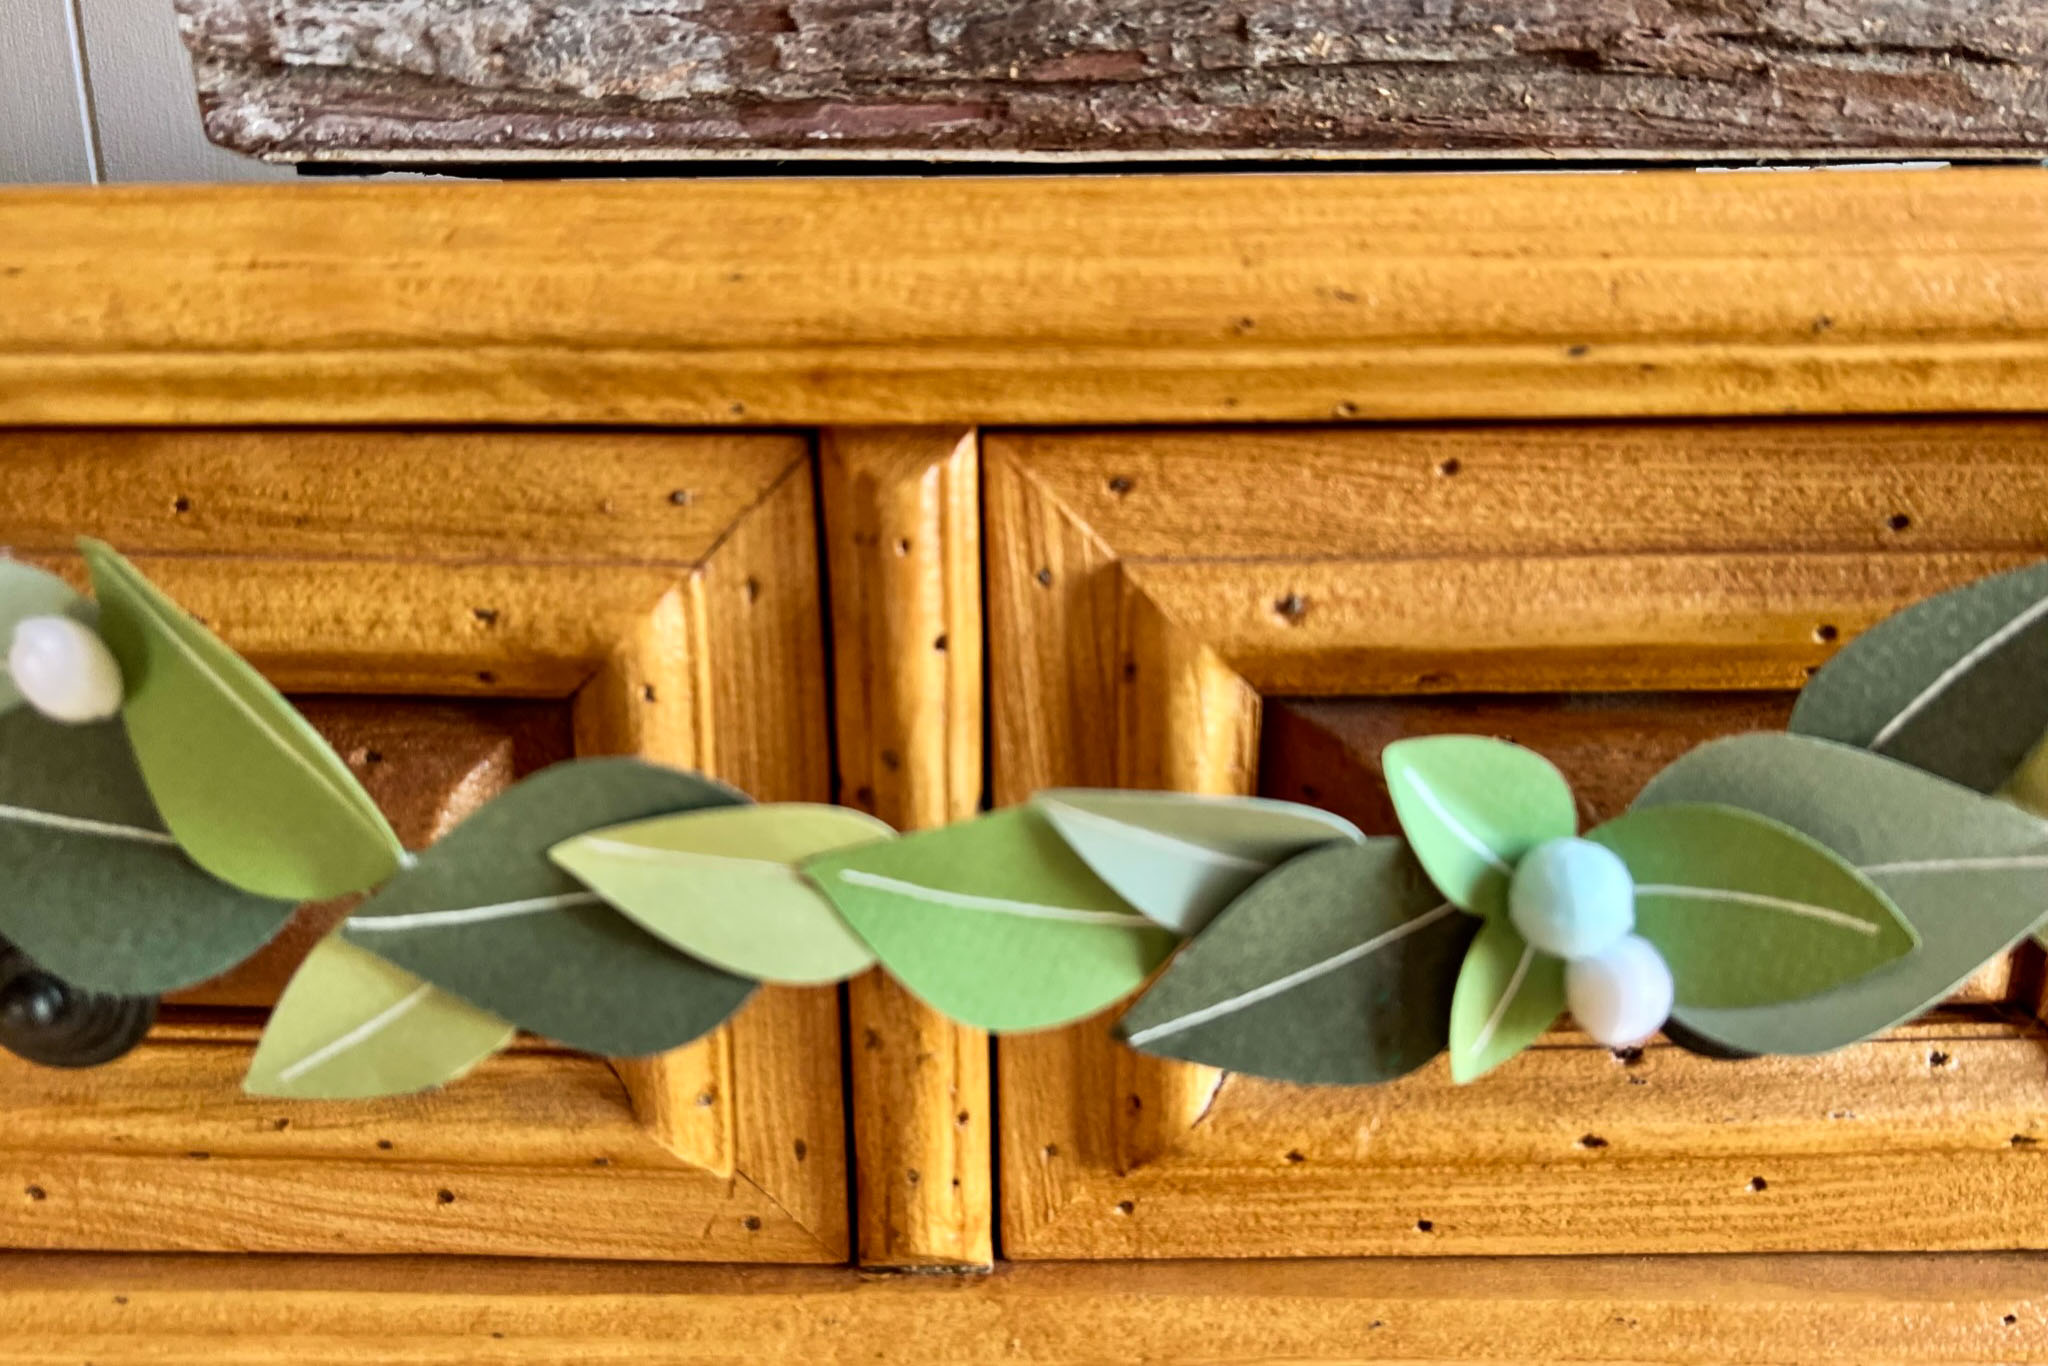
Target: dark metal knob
<point>46,1020</point>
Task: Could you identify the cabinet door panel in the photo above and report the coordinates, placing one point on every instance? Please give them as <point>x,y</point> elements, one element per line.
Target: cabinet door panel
<point>1263,611</point>
<point>486,604</point>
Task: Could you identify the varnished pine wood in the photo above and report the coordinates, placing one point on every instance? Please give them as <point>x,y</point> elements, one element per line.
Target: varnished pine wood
<point>902,530</point>
<point>1107,1153</point>
<point>1027,299</point>
<point>1960,1310</point>
<point>705,650</point>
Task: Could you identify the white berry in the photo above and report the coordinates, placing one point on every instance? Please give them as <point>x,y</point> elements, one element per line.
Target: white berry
<point>1622,996</point>
<point>64,670</point>
<point>1572,898</point>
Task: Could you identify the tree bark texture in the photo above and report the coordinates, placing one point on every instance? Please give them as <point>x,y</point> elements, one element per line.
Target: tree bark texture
<point>480,80</point>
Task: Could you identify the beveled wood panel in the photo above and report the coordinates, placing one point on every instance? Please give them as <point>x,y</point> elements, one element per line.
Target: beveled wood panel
<point>1958,1310</point>
<point>1312,298</point>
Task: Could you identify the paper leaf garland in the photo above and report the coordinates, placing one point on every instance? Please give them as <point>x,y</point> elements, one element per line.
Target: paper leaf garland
<point>722,885</point>
<point>1747,911</point>
<point>1952,684</point>
<point>1471,807</point>
<point>96,891</point>
<point>1180,858</point>
<point>252,792</point>
<point>1969,872</point>
<point>351,1025</point>
<point>995,922</point>
<point>1507,994</point>
<point>1336,967</point>
<point>485,915</point>
<point>26,591</point>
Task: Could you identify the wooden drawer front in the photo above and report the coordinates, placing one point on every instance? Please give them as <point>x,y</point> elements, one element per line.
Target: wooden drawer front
<point>488,604</point>
<point>1249,611</point>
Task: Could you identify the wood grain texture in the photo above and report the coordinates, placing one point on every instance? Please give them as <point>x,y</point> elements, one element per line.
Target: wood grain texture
<point>1960,1310</point>
<point>1027,300</point>
<point>902,532</point>
<point>1373,570</point>
<point>701,647</point>
<point>489,80</point>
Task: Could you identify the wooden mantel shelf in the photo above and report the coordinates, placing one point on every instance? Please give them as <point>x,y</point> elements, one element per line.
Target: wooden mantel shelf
<point>1214,298</point>
<point>1790,1311</point>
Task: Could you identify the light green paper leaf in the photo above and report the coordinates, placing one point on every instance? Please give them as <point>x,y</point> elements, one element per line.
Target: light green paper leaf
<point>485,915</point>
<point>95,889</point>
<point>1952,684</point>
<point>1970,873</point>
<point>1180,858</point>
<point>1507,995</point>
<point>1747,911</point>
<point>722,885</point>
<point>995,922</point>
<point>1335,968</point>
<point>350,1025</point>
<point>26,591</point>
<point>1471,807</point>
<point>252,792</point>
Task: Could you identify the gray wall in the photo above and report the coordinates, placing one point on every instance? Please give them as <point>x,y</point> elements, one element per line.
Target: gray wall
<point>101,90</point>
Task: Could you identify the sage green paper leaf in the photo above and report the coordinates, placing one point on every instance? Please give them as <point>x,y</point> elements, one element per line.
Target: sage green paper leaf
<point>252,792</point>
<point>1507,994</point>
<point>94,888</point>
<point>994,922</point>
<point>350,1025</point>
<point>1748,911</point>
<point>1970,873</point>
<point>1335,968</point>
<point>722,885</point>
<point>26,591</point>
<point>1471,807</point>
<point>485,915</point>
<point>1180,858</point>
<point>1952,684</point>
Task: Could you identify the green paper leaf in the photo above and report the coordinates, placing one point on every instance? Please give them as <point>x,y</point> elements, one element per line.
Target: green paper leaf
<point>1471,807</point>
<point>722,885</point>
<point>96,890</point>
<point>994,922</point>
<point>484,915</point>
<point>249,788</point>
<point>26,591</point>
<point>1968,872</point>
<point>1952,684</point>
<point>1337,967</point>
<point>350,1025</point>
<point>1507,995</point>
<point>1181,858</point>
<point>1747,911</point>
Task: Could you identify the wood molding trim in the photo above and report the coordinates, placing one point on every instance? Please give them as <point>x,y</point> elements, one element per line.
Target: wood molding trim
<point>1221,298</point>
<point>710,655</point>
<point>902,515</point>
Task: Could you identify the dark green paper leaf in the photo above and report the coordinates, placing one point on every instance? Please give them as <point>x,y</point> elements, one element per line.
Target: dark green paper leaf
<point>252,792</point>
<point>1968,872</point>
<point>1952,684</point>
<point>26,591</point>
<point>1335,968</point>
<point>95,889</point>
<point>994,922</point>
<point>484,914</point>
<point>1507,995</point>
<point>1747,911</point>
<point>1471,807</point>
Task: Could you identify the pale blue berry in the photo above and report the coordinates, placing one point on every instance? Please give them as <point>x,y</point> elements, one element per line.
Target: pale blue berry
<point>1572,898</point>
<point>1621,996</point>
<point>64,670</point>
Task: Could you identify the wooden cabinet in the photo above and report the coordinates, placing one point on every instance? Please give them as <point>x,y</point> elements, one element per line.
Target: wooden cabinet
<point>488,603</point>
<point>1260,611</point>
